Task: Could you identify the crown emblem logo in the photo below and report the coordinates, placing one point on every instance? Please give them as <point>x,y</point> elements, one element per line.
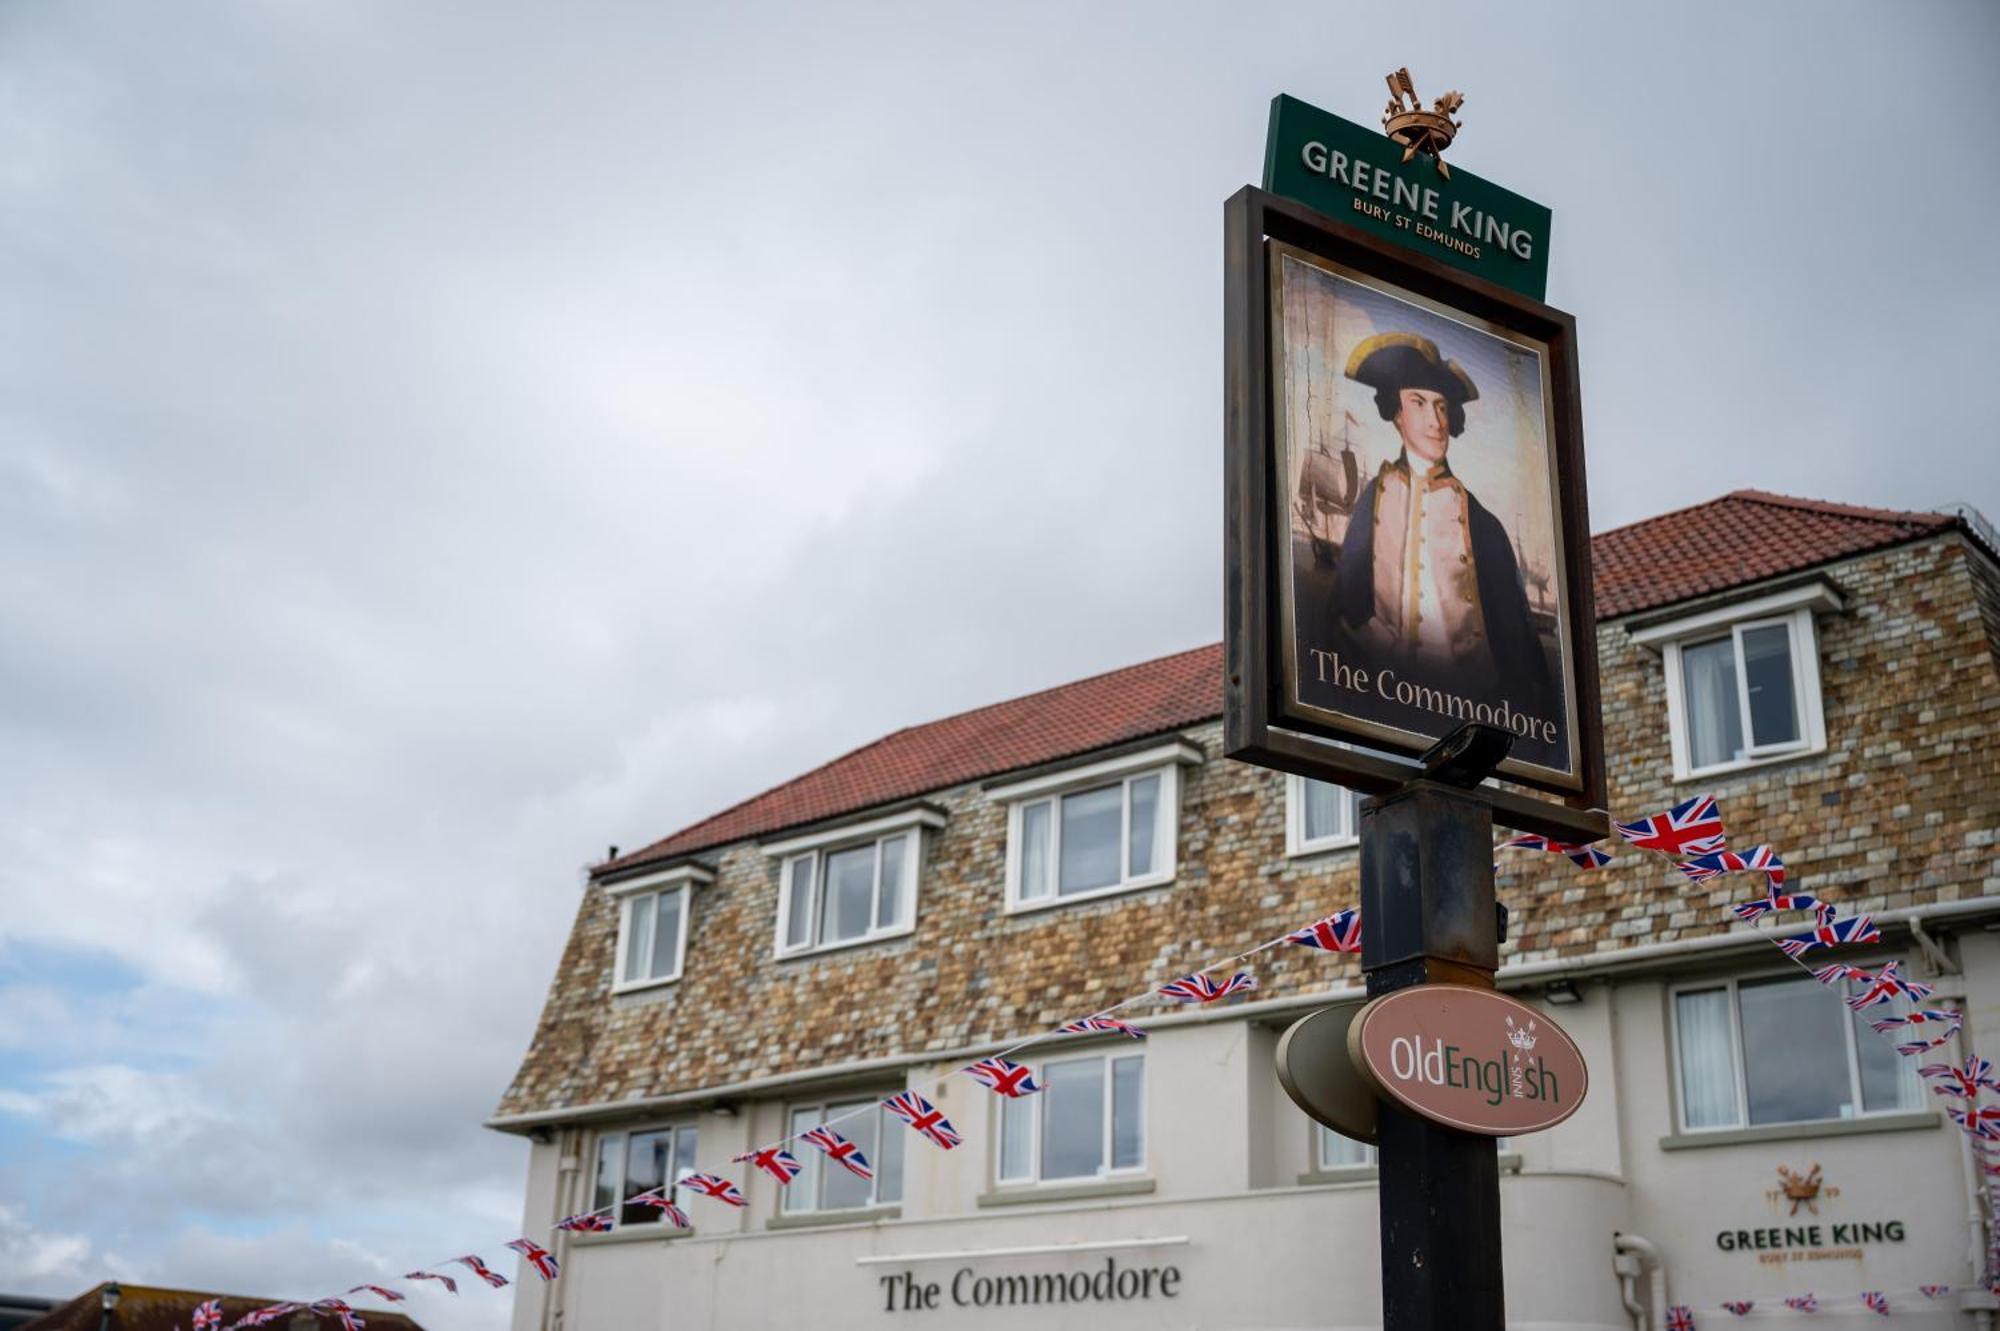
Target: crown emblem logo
<point>1522,1038</point>
<point>1420,131</point>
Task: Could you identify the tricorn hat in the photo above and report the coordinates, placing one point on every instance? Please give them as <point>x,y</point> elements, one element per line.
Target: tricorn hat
<point>1391,362</point>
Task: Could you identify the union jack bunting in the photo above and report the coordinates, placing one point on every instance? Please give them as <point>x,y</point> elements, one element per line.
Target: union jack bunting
<point>776,1161</point>
<point>658,1201</point>
<point>1757,859</point>
<point>1776,901</point>
<point>1925,1016</point>
<point>925,1117</point>
<point>208,1315</point>
<point>1680,1317</point>
<point>341,1310</point>
<point>1004,1078</point>
<point>716,1187</point>
<point>1962,1083</point>
<point>450,1285</point>
<point>1982,1121</point>
<point>1201,988</point>
<point>1583,857</point>
<point>1911,1048</point>
<point>268,1313</point>
<point>1738,1307</point>
<point>844,1152</point>
<point>1339,932</point>
<point>1933,1291</point>
<point>1875,1301</point>
<point>1088,1025</point>
<point>1885,985</point>
<point>535,1255</point>
<point>480,1269</point>
<point>379,1291</point>
<point>1692,827</point>
<point>589,1222</point>
<point>1802,1303</point>
<point>1859,929</point>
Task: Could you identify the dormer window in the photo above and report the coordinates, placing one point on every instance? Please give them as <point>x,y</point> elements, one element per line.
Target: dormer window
<point>653,925</point>
<point>851,885</point>
<point>1095,830</point>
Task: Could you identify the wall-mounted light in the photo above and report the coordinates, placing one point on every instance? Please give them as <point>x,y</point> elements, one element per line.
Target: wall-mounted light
<point>541,1136</point>
<point>723,1109</point>
<point>1562,992</point>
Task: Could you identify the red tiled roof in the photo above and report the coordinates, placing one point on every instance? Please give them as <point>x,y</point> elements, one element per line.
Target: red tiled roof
<point>149,1308</point>
<point>1744,537</point>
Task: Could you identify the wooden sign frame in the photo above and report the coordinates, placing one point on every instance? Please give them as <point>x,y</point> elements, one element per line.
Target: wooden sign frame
<point>1259,725</point>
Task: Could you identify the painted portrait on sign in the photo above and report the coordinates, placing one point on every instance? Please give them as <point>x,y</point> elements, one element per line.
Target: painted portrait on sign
<point>1422,539</point>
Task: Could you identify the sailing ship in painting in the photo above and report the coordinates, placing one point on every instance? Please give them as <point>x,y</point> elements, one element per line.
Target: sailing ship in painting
<point>1328,488</point>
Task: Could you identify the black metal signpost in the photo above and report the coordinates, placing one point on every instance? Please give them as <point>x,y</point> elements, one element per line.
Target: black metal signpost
<point>1427,895</point>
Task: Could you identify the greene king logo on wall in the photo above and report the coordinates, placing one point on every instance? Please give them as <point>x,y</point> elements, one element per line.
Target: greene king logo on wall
<point>1469,1058</point>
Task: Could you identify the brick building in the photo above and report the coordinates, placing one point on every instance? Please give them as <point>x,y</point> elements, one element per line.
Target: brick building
<point>1829,673</point>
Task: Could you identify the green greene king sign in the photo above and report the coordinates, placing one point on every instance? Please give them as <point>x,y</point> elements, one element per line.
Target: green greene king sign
<point>1359,176</point>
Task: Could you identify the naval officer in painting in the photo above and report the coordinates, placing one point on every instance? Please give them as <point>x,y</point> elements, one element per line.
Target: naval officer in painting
<point>1427,577</point>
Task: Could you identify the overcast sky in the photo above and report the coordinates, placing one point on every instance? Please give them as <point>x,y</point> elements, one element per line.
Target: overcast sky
<point>438,441</point>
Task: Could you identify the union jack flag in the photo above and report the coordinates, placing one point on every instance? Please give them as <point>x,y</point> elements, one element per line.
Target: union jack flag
<point>716,1187</point>
<point>1875,1301</point>
<point>1088,1025</point>
<point>1885,985</point>
<point>1004,1078</point>
<point>1339,932</point>
<point>1911,1048</point>
<point>776,1161</point>
<point>925,1117</point>
<point>1583,857</point>
<point>208,1315</point>
<point>1803,1303</point>
<point>1982,1121</point>
<point>658,1201</point>
<point>1839,971</point>
<point>1933,1291</point>
<point>1963,1082</point>
<point>1738,1307</point>
<point>340,1309</point>
<point>450,1285</point>
<point>844,1152</point>
<point>1776,901</point>
<point>589,1222</point>
<point>537,1256</point>
<point>379,1291</point>
<point>1757,859</point>
<point>1692,827</point>
<point>269,1313</point>
<point>480,1269</point>
<point>1201,988</point>
<point>1680,1317</point>
<point>1859,929</point>
<point>1923,1016</point>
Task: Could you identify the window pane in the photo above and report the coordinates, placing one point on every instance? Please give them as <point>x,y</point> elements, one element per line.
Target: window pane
<point>889,901</point>
<point>1767,674</point>
<point>1145,814</point>
<point>1017,1138</point>
<point>1888,1080</point>
<point>1794,1052</point>
<point>802,1193</point>
<point>842,1189</point>
<point>684,1145</point>
<point>1073,1119</point>
<point>1090,828</point>
<point>850,892</point>
<point>799,903</point>
<point>1707,1059</point>
<point>1336,1151</point>
<point>1035,851</point>
<point>889,1162</point>
<point>667,933</point>
<point>610,1156</point>
<point>1326,810</point>
<point>1128,1128</point>
<point>637,936</point>
<point>1708,686</point>
<point>645,1169</point>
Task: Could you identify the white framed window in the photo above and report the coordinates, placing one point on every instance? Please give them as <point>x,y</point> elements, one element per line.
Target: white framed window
<point>1320,816</point>
<point>653,926</point>
<point>852,885</point>
<point>1782,1049</point>
<point>824,1186</point>
<point>640,1160</point>
<point>1096,830</point>
<point>1087,1122</point>
<point>1334,1151</point>
<point>1743,682</point>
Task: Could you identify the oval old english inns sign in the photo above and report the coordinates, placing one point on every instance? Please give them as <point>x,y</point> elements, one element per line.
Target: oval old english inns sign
<point>1469,1058</point>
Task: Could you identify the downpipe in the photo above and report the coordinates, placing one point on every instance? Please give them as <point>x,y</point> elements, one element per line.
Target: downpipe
<point>1641,1257</point>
